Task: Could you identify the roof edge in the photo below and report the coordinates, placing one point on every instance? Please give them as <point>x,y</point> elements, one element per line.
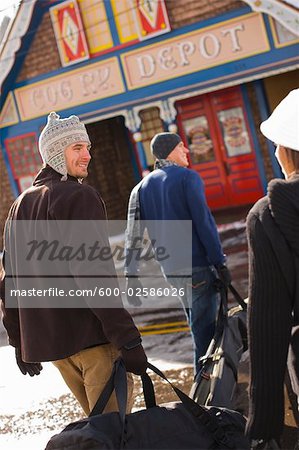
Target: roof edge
<point>13,38</point>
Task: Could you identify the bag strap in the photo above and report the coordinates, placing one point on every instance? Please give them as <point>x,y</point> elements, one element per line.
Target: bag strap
<point>117,381</point>
<point>238,297</point>
<point>221,321</point>
<point>198,411</point>
<point>148,391</point>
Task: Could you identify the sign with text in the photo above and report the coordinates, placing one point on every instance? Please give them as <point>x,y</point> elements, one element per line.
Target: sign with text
<point>76,87</point>
<point>211,46</point>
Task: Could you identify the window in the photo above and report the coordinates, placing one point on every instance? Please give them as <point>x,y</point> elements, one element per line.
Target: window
<point>151,125</point>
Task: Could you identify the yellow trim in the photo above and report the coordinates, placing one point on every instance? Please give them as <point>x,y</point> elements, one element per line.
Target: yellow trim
<point>82,69</point>
<point>116,15</point>
<point>277,44</point>
<point>9,100</point>
<point>184,36</point>
<point>164,328</point>
<point>174,330</point>
<point>165,325</point>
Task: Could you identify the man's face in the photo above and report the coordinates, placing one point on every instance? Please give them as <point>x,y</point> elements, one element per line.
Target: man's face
<point>77,158</point>
<point>179,155</point>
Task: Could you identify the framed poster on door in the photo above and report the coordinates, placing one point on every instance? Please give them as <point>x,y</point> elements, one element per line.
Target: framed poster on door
<point>216,130</point>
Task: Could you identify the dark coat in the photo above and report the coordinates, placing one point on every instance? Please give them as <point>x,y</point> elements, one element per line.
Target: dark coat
<point>47,334</point>
<point>273,237</point>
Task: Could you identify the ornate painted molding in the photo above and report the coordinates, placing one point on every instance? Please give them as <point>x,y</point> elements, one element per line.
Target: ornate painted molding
<point>9,114</point>
<point>13,37</point>
<point>170,110</point>
<point>130,120</point>
<point>286,15</point>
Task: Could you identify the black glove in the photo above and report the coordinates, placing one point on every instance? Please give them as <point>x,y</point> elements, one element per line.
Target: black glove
<point>134,358</point>
<point>30,368</point>
<point>224,275</point>
<point>135,287</point>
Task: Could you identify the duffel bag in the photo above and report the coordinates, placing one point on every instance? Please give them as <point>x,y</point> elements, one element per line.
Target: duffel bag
<point>175,425</point>
<point>216,381</point>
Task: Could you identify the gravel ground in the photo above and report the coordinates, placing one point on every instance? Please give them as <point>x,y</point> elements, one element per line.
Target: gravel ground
<point>54,414</point>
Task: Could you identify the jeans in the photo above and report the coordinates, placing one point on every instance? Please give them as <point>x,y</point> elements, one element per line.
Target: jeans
<point>200,301</point>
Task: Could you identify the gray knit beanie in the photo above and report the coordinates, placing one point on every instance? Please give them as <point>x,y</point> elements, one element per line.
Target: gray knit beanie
<point>163,143</point>
<point>57,135</point>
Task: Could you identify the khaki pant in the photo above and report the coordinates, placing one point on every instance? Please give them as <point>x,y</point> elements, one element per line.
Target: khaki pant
<point>86,374</point>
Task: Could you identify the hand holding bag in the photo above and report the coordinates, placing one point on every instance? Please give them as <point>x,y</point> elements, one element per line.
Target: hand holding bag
<point>175,425</point>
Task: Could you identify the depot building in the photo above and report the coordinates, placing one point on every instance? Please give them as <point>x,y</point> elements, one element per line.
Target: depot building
<point>211,71</point>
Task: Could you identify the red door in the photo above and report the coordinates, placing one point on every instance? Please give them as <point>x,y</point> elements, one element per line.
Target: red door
<point>215,128</point>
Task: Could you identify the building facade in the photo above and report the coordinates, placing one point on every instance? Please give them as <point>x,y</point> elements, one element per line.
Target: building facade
<point>210,70</point>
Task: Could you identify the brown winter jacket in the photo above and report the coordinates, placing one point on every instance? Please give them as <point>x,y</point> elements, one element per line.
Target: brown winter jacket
<point>48,334</point>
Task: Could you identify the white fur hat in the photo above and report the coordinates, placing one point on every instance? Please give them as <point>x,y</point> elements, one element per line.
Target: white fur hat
<point>57,135</point>
<point>282,127</point>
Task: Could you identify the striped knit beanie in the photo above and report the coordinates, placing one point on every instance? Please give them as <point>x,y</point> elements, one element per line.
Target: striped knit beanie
<point>57,135</point>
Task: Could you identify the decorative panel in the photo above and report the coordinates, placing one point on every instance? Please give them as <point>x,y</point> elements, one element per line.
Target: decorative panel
<point>124,17</point>
<point>69,33</point>
<point>152,18</point>
<point>8,114</point>
<point>24,158</point>
<point>281,35</point>
<point>96,25</point>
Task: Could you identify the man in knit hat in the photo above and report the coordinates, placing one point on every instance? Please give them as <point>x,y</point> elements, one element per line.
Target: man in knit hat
<point>172,191</point>
<point>82,338</point>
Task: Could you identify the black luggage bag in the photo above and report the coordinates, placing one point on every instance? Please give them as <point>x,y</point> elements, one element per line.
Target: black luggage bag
<point>216,380</point>
<point>176,425</point>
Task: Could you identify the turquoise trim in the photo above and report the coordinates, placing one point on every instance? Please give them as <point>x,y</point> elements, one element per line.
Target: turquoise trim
<point>112,24</point>
<point>142,155</point>
<point>133,158</point>
<point>259,157</point>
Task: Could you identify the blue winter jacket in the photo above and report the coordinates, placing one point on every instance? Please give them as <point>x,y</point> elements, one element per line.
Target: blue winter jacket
<point>177,193</point>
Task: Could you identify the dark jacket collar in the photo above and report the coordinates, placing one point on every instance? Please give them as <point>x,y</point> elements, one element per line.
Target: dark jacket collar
<point>47,174</point>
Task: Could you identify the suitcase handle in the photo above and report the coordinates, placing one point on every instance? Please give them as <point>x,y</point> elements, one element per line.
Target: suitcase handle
<point>238,297</point>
